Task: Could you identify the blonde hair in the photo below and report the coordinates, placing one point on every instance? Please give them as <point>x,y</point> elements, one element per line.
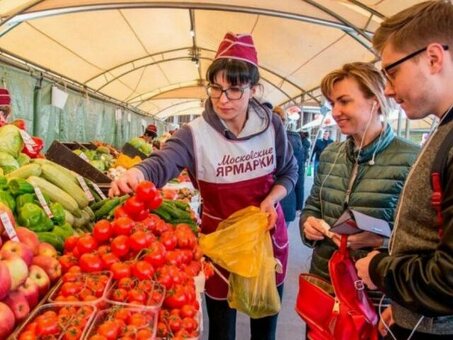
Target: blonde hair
<point>370,80</point>
<point>417,27</point>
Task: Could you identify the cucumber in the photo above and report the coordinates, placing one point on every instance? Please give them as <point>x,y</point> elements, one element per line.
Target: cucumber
<point>49,237</point>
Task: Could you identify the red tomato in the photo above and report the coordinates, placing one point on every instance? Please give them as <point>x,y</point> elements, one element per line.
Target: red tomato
<point>70,288</point>
<point>86,244</point>
<point>119,294</point>
<point>104,249</point>
<point>139,240</point>
<point>188,311</point>
<point>155,202</point>
<point>136,296</point>
<point>108,259</point>
<point>176,298</point>
<point>133,206</point>
<point>122,226</point>
<point>119,212</point>
<point>47,326</point>
<point>72,333</point>
<point>189,324</point>
<point>186,238</point>
<point>109,329</point>
<point>67,261</point>
<point>162,330</point>
<point>70,243</point>
<point>120,270</point>
<point>155,254</point>
<point>120,246</point>
<point>168,239</point>
<point>174,323</point>
<point>102,231</point>
<point>142,270</point>
<point>145,191</point>
<point>91,263</point>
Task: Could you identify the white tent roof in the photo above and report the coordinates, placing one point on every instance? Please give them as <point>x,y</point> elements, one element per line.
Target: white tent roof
<point>143,53</point>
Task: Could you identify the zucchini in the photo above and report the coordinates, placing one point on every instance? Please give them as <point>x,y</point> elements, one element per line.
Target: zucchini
<point>55,194</point>
<point>68,217</point>
<point>64,182</point>
<point>25,171</point>
<point>69,173</point>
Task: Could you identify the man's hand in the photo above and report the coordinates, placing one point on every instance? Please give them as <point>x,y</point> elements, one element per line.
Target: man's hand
<point>362,267</point>
<point>387,318</point>
<point>316,229</point>
<point>127,182</point>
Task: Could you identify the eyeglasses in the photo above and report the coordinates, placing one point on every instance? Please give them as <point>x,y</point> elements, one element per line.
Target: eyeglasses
<point>232,93</point>
<point>385,70</point>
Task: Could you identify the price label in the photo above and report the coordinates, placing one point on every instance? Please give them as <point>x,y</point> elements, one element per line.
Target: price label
<point>85,188</point>
<point>43,202</point>
<point>9,227</point>
<point>28,141</point>
<point>84,157</point>
<point>98,190</point>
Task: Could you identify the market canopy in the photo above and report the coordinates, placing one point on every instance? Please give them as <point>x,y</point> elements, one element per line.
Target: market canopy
<point>153,55</point>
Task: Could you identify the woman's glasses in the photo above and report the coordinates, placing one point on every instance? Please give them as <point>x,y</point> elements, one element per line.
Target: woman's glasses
<point>232,93</point>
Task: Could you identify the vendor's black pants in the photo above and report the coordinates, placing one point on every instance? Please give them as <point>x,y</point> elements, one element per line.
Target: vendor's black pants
<point>222,321</point>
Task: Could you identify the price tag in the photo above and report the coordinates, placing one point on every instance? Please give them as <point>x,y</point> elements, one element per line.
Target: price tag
<point>43,202</point>
<point>84,157</point>
<point>9,227</point>
<point>28,141</point>
<point>98,190</point>
<point>85,188</point>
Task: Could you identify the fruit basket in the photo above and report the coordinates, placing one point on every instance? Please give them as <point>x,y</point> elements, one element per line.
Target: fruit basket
<point>56,321</point>
<point>124,322</point>
<point>90,288</point>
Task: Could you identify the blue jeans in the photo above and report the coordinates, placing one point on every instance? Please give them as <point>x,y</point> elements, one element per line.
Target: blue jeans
<point>222,321</point>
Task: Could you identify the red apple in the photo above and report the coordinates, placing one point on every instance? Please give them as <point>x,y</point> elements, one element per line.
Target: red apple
<point>16,248</point>
<point>28,237</point>
<point>8,320</point>
<point>18,270</point>
<point>40,277</point>
<point>5,280</point>
<point>47,249</point>
<point>18,304</point>
<point>30,290</point>
<point>50,264</point>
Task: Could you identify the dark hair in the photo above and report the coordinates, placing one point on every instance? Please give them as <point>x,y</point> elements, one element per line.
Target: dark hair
<point>268,105</point>
<point>237,72</point>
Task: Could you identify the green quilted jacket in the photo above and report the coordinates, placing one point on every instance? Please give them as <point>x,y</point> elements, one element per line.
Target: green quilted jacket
<point>374,192</point>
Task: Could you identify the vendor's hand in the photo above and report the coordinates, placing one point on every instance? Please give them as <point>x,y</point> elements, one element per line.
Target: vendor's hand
<point>268,206</point>
<point>362,265</point>
<point>361,240</point>
<point>387,317</point>
<point>316,229</point>
<point>126,183</point>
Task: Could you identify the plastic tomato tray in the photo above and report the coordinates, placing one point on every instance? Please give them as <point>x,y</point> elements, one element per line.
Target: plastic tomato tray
<point>85,281</point>
<point>145,321</point>
<point>154,301</point>
<point>73,317</point>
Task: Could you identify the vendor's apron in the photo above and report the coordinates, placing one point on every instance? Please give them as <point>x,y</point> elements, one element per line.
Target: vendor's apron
<point>232,175</point>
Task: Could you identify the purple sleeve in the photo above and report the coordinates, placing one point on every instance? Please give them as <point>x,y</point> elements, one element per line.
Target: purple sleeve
<point>167,163</point>
<point>286,173</point>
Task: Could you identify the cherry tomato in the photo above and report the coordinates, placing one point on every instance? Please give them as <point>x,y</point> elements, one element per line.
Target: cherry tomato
<point>72,333</point>
<point>120,270</point>
<point>109,329</point>
<point>102,231</point>
<point>119,294</point>
<point>189,324</point>
<point>176,298</point>
<point>120,245</point>
<point>136,296</point>
<point>142,270</point>
<point>91,263</point>
<point>139,240</point>
<point>188,311</point>
<point>122,226</point>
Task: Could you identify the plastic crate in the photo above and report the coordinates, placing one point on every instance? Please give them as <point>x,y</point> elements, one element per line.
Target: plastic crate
<point>61,154</point>
<point>130,151</point>
<point>147,316</point>
<point>73,315</point>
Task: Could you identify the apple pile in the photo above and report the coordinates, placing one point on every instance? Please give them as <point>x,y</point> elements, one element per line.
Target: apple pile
<point>28,268</point>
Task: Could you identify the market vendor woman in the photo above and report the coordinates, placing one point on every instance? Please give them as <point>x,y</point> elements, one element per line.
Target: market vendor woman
<point>238,155</point>
<point>5,106</point>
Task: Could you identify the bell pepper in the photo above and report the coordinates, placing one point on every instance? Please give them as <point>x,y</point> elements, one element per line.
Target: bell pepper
<point>8,199</point>
<point>3,182</point>
<point>57,212</point>
<point>64,230</point>
<point>34,151</point>
<point>19,186</point>
<point>30,215</point>
<point>24,198</point>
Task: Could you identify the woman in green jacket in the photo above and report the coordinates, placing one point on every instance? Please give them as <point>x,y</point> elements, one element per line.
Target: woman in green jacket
<point>365,173</point>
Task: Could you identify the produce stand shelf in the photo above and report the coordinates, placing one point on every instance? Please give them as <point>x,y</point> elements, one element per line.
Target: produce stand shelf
<point>130,151</point>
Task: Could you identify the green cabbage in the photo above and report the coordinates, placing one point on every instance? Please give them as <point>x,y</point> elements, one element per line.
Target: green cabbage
<point>11,140</point>
<point>7,162</point>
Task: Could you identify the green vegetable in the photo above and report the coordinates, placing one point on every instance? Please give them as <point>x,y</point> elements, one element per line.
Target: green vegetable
<point>19,186</point>
<point>7,162</point>
<point>25,171</point>
<point>7,199</point>
<point>30,215</point>
<point>25,198</point>
<point>56,240</point>
<point>107,207</point>
<point>10,140</point>
<point>23,159</point>
<point>162,214</point>
<point>65,230</point>
<point>58,213</point>
<point>3,182</point>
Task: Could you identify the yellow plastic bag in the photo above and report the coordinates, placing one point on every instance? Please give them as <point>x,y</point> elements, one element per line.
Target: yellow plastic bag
<point>256,296</point>
<point>237,242</point>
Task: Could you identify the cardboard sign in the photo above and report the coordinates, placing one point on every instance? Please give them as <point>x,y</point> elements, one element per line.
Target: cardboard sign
<point>353,222</point>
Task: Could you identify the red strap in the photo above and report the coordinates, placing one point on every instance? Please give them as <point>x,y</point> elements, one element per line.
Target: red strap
<point>436,200</point>
<point>344,244</point>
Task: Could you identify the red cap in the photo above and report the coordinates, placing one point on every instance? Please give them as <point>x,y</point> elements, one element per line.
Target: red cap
<point>238,46</point>
<point>5,98</point>
<point>151,128</point>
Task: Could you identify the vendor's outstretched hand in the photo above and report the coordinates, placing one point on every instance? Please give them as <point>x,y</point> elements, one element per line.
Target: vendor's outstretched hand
<point>268,207</point>
<point>126,183</point>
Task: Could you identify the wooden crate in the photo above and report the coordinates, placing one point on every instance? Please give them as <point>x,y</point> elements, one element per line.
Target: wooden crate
<point>130,151</point>
<point>61,154</point>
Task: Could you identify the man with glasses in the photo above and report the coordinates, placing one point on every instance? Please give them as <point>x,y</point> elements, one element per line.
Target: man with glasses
<point>237,154</point>
<point>416,49</point>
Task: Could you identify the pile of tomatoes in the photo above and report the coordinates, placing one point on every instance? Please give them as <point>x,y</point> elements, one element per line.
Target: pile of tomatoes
<point>65,322</point>
<point>140,249</point>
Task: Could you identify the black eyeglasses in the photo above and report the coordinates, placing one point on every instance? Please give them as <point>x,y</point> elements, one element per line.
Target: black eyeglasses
<point>232,93</point>
<point>385,70</point>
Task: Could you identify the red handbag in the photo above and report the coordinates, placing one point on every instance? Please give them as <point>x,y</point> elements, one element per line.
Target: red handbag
<point>341,311</point>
